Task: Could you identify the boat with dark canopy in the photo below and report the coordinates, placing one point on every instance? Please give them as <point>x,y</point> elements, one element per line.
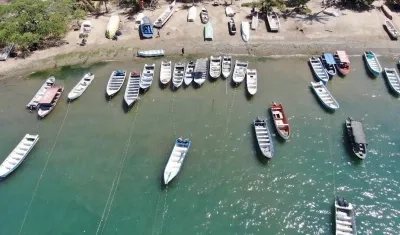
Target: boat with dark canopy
<point>358,142</point>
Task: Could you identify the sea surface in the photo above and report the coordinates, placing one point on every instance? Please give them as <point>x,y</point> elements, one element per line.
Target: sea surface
<point>97,167</point>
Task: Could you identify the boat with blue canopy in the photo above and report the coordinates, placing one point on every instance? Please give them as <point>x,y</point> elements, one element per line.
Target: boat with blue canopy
<point>329,63</point>
<point>146,28</point>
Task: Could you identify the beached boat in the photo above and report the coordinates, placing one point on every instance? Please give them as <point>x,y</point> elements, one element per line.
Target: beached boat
<point>254,21</point>
<point>342,62</point>
<point>356,136</point>
<point>164,17</point>
<point>49,101</point>
<point>372,62</point>
<point>324,95</point>
<point>192,14</point>
<point>200,71</point>
<point>345,221</point>
<point>86,28</point>
<point>329,63</point>
<point>112,26</point>
<point>5,52</point>
<point>165,72</point>
<point>81,87</point>
<point>263,137</point>
<point>251,81</point>
<point>18,155</point>
<point>245,30</point>
<point>49,83</point>
<point>391,29</point>
<point>204,15</point>
<point>178,75</point>
<point>147,76</point>
<point>240,70</point>
<point>176,158</point>
<point>393,79</point>
<point>115,82</point>
<point>189,73</point>
<point>318,69</point>
<point>281,122</point>
<point>151,53</point>
<point>232,27</point>
<point>146,28</point>
<point>226,66</point>
<point>132,88</point>
<point>229,12</point>
<point>215,66</point>
<point>273,21</point>
<point>208,32</point>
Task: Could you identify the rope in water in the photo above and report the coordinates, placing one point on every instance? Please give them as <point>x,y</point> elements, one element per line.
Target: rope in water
<point>44,168</point>
<point>117,177</point>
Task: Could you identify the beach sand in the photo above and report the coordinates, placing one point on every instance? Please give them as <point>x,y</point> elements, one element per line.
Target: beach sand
<point>351,31</point>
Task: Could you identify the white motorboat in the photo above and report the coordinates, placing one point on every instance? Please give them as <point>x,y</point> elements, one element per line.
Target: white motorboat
<point>151,53</point>
<point>49,83</point>
<point>132,89</point>
<point>226,66</point>
<point>215,66</point>
<point>393,79</point>
<point>204,15</point>
<point>81,87</point>
<point>273,21</point>
<point>245,29</point>
<point>164,17</point>
<point>115,82</point>
<point>189,73</point>
<point>263,137</point>
<point>229,12</point>
<point>240,70</point>
<point>147,76</point>
<point>200,71</point>
<point>17,156</point>
<point>176,158</point>
<point>254,21</point>
<point>251,80</point>
<point>345,221</point>
<point>324,95</point>
<point>49,101</point>
<point>192,14</point>
<point>165,72</point>
<point>178,75</point>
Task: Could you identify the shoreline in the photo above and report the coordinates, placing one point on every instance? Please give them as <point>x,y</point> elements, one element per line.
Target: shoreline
<point>119,50</point>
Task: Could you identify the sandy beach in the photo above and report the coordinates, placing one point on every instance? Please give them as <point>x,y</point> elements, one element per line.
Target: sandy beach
<point>299,35</point>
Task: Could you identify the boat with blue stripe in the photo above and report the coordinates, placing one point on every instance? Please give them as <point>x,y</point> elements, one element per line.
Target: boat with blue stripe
<point>146,28</point>
<point>329,63</point>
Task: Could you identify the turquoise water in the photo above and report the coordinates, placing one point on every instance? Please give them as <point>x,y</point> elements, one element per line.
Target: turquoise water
<point>97,169</point>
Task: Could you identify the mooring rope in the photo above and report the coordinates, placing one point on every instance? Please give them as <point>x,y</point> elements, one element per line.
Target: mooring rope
<point>117,177</point>
<point>332,158</point>
<point>44,168</point>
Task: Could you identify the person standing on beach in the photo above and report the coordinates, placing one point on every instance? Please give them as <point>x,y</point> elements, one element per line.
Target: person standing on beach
<point>183,51</point>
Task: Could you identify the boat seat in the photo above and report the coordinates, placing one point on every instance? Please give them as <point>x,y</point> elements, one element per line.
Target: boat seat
<point>343,222</point>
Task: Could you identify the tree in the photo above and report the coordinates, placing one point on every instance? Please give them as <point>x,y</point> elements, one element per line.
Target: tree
<point>267,5</point>
<point>359,5</point>
<point>297,3</point>
<point>28,22</point>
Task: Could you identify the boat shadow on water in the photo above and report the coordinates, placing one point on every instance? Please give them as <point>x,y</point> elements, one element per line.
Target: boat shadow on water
<point>161,85</point>
<point>347,146</point>
<point>234,84</point>
<point>126,107</point>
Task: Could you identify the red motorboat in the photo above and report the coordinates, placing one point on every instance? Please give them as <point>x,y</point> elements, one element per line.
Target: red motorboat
<point>280,120</point>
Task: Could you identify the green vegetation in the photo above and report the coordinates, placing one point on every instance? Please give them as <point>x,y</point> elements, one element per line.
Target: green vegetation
<point>33,24</point>
<point>358,5</point>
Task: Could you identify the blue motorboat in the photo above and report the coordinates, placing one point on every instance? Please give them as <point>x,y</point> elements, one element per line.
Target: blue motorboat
<point>329,63</point>
<point>146,28</point>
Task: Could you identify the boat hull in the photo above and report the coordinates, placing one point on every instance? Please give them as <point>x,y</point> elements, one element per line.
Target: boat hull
<point>374,69</point>
<point>354,146</point>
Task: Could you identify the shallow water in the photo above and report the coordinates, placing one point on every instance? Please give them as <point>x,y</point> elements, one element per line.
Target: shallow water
<point>97,169</point>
